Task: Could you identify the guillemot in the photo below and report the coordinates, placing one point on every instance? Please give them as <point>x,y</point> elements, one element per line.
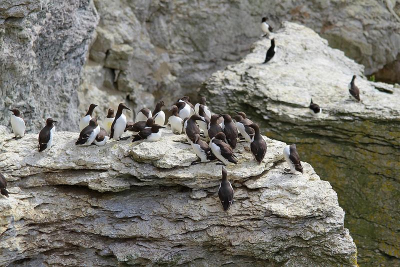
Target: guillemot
<point>258,145</point>
<point>315,107</point>
<point>89,133</point>
<point>143,115</point>
<point>202,150</point>
<point>225,191</point>
<point>101,138</point>
<point>230,130</point>
<point>119,124</point>
<point>17,123</point>
<point>158,114</point>
<point>222,150</point>
<point>203,125</point>
<point>46,135</point>
<point>242,124</point>
<point>149,134</point>
<point>175,121</point>
<point>271,52</point>
<point>85,120</point>
<point>203,101</point>
<point>3,185</point>
<point>292,158</point>
<point>265,27</point>
<point>140,125</point>
<point>353,89</point>
<point>214,127</point>
<point>109,120</point>
<point>190,127</point>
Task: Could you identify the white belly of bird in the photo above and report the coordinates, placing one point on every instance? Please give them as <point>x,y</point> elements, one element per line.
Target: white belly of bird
<point>92,136</point>
<point>84,122</point>
<point>217,152</point>
<point>265,27</point>
<point>203,126</point>
<point>18,126</point>
<point>107,124</point>
<point>141,117</point>
<point>50,143</point>
<point>160,118</point>
<point>154,136</point>
<point>176,124</point>
<point>286,154</point>
<point>199,152</point>
<point>196,108</point>
<point>242,131</point>
<point>185,112</point>
<point>207,111</point>
<point>102,143</point>
<point>119,127</point>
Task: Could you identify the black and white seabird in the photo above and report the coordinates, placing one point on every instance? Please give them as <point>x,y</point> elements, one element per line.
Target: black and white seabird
<point>143,115</point>
<point>242,123</point>
<point>85,120</point>
<point>175,121</point>
<point>190,127</point>
<point>186,99</point>
<point>203,125</point>
<point>119,124</point>
<point>101,138</point>
<point>225,191</point>
<point>109,120</point>
<point>203,101</point>
<point>265,27</point>
<point>184,109</point>
<point>149,134</point>
<point>140,125</point>
<point>202,150</point>
<point>353,89</point>
<point>315,107</point>
<point>3,185</point>
<point>258,145</point>
<point>158,114</point>
<point>46,135</point>
<point>292,158</point>
<point>222,150</point>
<point>214,127</point>
<point>89,133</point>
<point>271,51</point>
<point>17,123</point>
<point>230,131</point>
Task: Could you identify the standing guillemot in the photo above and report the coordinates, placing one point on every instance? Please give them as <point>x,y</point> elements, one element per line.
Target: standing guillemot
<point>149,134</point>
<point>101,138</point>
<point>158,114</point>
<point>46,135</point>
<point>222,150</point>
<point>265,27</point>
<point>190,127</point>
<point>202,150</point>
<point>140,125</point>
<point>143,115</point>
<point>242,123</point>
<point>119,124</point>
<point>89,133</point>
<point>315,107</point>
<point>214,127</point>
<point>175,121</point>
<point>109,120</point>
<point>225,191</point>
<point>271,52</point>
<point>258,145</point>
<point>3,185</point>
<point>85,120</point>
<point>292,158</point>
<point>203,102</point>
<point>230,131</point>
<point>353,89</point>
<point>184,109</point>
<point>17,123</point>
<point>203,125</point>
<point>186,99</point>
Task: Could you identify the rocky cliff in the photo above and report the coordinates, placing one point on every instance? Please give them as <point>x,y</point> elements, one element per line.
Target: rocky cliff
<point>354,145</point>
<point>144,204</point>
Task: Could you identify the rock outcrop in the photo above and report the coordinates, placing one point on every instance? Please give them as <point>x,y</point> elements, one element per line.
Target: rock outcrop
<point>144,204</point>
<point>354,145</point>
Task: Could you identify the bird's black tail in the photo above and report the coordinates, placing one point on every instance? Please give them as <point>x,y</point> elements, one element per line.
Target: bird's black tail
<point>4,192</point>
<point>42,147</point>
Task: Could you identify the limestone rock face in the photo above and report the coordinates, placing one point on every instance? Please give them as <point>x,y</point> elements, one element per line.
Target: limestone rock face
<point>143,204</point>
<point>355,145</point>
<point>43,48</point>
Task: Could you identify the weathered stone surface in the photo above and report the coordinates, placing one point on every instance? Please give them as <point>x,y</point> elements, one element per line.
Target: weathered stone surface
<point>43,48</point>
<point>355,145</point>
<point>144,204</point>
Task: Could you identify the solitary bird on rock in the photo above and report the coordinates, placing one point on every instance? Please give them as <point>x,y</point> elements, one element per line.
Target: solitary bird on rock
<point>225,191</point>
<point>271,52</point>
<point>315,107</point>
<point>353,89</point>
<point>17,123</point>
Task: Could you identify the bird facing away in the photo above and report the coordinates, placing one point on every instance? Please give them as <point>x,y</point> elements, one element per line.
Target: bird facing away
<point>190,127</point>
<point>175,121</point>
<point>292,158</point>
<point>225,191</point>
<point>89,133</point>
<point>17,123</point>
<point>85,120</point>
<point>3,185</point>
<point>258,145</point>
<point>101,138</point>
<point>222,150</point>
<point>158,114</point>
<point>202,150</point>
<point>242,124</point>
<point>119,124</point>
<point>203,101</point>
<point>353,89</point>
<point>271,52</point>
<point>109,120</point>
<point>265,27</point>
<point>214,127</point>
<point>46,135</point>
<point>203,125</point>
<point>143,115</point>
<point>314,107</point>
<point>149,134</point>
<point>230,131</point>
